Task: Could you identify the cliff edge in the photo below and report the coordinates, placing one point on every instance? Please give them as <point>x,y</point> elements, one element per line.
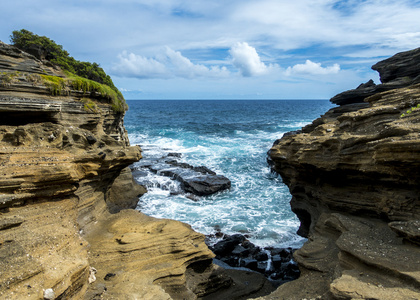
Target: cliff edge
<point>64,166</point>
<point>353,175</point>
<point>67,227</point>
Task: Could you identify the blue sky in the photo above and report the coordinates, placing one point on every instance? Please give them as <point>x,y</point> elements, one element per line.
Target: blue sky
<point>237,49</point>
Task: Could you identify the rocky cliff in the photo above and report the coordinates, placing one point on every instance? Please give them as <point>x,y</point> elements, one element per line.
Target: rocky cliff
<point>65,228</point>
<point>354,179</point>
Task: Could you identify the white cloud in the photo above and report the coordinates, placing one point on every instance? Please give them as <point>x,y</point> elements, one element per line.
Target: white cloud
<point>132,65</point>
<point>167,64</point>
<point>247,60</point>
<point>312,68</point>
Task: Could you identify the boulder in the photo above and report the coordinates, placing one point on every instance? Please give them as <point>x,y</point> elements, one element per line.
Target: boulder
<point>203,185</point>
<point>197,180</point>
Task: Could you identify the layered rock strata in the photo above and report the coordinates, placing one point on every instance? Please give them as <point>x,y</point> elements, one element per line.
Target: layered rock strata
<point>353,175</point>
<point>66,230</point>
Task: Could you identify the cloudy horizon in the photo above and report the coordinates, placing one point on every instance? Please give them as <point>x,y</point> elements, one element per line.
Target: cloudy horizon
<point>248,49</point>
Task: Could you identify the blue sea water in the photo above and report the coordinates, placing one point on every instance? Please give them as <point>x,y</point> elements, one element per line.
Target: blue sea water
<point>231,137</point>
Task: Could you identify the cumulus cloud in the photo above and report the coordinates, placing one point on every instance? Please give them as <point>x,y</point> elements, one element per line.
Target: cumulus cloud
<point>132,65</point>
<point>168,64</point>
<point>312,68</point>
<point>247,60</point>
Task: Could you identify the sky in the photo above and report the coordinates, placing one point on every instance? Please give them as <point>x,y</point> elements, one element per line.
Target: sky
<point>235,49</point>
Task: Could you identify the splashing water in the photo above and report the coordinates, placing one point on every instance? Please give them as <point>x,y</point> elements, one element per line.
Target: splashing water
<point>231,138</point>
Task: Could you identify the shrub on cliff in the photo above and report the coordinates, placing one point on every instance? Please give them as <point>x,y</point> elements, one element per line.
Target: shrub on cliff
<point>45,48</point>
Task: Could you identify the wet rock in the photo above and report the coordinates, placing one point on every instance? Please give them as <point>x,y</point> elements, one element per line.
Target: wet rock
<point>274,263</point>
<point>197,180</point>
<point>262,256</point>
<point>227,245</point>
<point>240,251</point>
<point>203,185</point>
<point>249,263</point>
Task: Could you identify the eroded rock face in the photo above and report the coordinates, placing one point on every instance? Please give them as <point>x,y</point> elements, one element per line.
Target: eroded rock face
<point>58,162</point>
<point>65,231</point>
<point>66,227</point>
<point>353,175</point>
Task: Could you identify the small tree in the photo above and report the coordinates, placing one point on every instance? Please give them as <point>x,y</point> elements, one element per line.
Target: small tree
<point>45,48</point>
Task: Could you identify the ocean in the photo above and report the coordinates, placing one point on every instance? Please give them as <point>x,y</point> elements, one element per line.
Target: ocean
<point>230,137</point>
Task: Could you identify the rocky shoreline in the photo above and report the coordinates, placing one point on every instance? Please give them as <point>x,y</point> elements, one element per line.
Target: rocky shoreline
<point>353,175</point>
<point>68,230</point>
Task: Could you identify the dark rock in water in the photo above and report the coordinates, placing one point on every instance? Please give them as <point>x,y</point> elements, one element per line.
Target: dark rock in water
<point>277,261</point>
<point>290,271</point>
<point>249,263</point>
<point>262,266</point>
<point>240,251</point>
<point>204,170</point>
<point>262,256</point>
<point>200,181</point>
<point>274,263</point>
<point>227,245</point>
<point>173,154</point>
<point>203,185</point>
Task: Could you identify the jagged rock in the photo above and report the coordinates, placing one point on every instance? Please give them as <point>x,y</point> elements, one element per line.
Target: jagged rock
<point>401,65</point>
<point>203,185</point>
<point>227,245</point>
<point>351,172</point>
<point>200,181</point>
<point>64,191</point>
<point>237,252</point>
<point>400,70</point>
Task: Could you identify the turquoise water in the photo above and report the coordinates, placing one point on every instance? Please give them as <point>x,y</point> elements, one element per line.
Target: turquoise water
<point>231,137</point>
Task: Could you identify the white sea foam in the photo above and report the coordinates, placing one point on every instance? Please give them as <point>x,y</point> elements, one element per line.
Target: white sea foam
<point>234,145</point>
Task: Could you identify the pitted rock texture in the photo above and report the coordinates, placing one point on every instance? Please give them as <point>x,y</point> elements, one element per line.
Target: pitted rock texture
<point>353,175</point>
<point>66,227</point>
<point>66,230</point>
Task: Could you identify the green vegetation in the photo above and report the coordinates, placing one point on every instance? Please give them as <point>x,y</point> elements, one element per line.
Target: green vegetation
<point>89,105</point>
<point>7,78</point>
<point>410,110</point>
<point>55,84</point>
<point>89,77</point>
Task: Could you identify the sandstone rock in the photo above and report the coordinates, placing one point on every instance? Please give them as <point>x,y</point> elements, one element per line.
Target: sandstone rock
<point>65,194</point>
<point>350,172</point>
